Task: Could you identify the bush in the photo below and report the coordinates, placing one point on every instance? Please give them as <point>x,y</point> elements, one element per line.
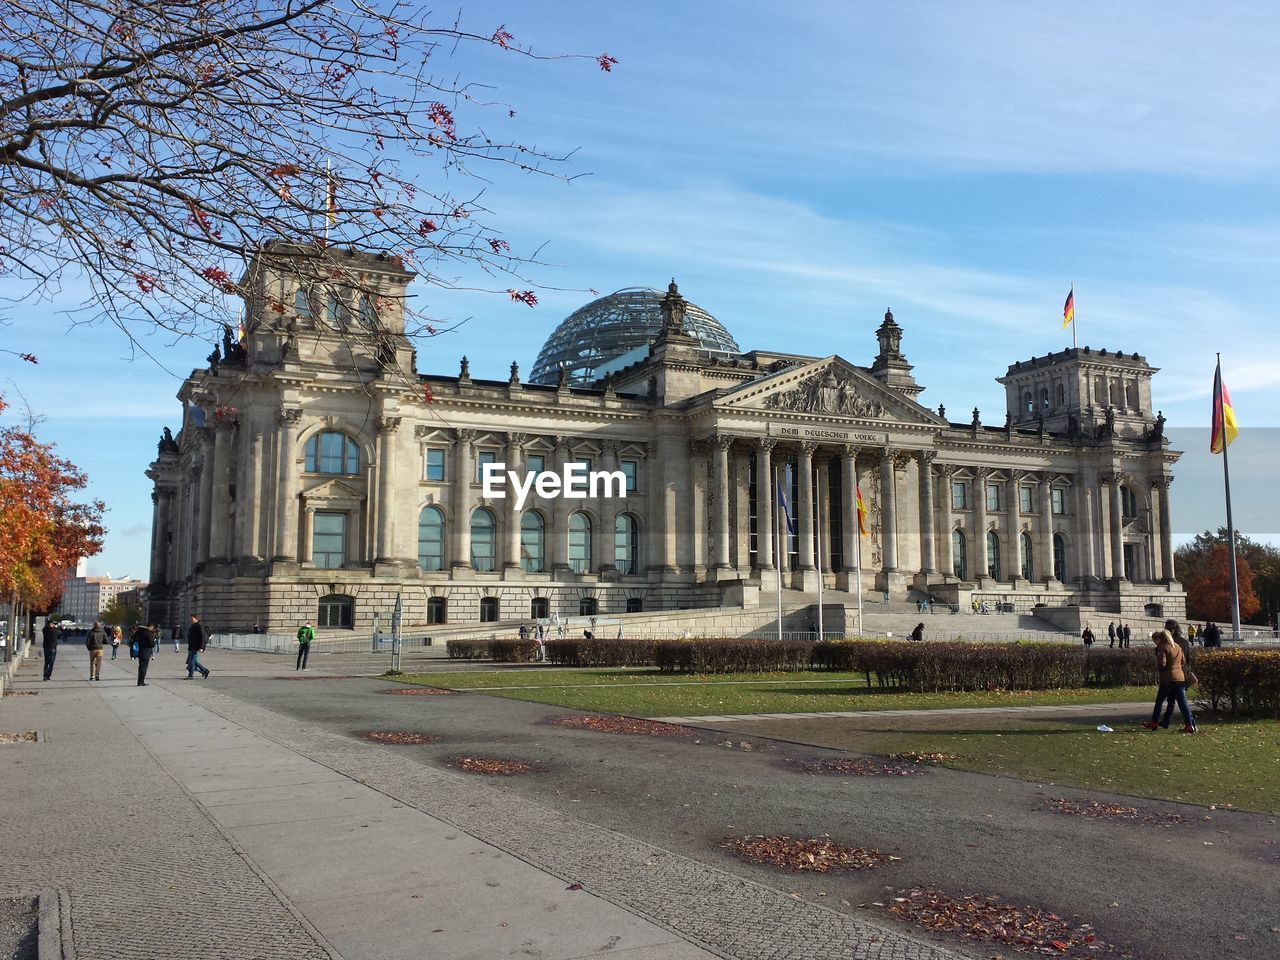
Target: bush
<point>1242,683</point>
<point>512,651</point>
<point>600,652</point>
<point>467,649</point>
<point>1120,668</point>
<point>731,656</point>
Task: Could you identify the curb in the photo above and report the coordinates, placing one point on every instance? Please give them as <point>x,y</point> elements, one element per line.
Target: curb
<point>55,939</point>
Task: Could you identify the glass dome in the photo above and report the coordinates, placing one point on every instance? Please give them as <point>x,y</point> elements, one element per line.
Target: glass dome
<point>621,323</point>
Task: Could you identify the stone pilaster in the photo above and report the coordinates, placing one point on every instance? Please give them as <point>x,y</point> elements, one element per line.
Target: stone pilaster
<point>460,500</point>
<point>720,491</point>
<point>764,509</point>
<point>287,485</point>
<point>928,542</point>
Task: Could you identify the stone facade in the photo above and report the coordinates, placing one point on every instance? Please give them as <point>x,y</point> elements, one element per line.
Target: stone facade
<point>318,476</point>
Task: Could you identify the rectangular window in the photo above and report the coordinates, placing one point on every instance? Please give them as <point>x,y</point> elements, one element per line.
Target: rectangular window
<point>1024,499</point>
<point>1059,499</point>
<point>435,465</point>
<point>329,540</point>
<point>628,468</point>
<point>483,457</point>
<point>959,498</point>
<point>586,462</point>
<point>535,464</point>
<point>993,496</point>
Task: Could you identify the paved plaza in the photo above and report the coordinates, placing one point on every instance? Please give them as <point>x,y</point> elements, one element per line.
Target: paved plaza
<point>243,816</point>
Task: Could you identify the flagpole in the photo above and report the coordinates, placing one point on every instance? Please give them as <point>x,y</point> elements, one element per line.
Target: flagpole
<point>817,509</point>
<point>1231,530</point>
<point>857,568</point>
<point>1075,341</point>
<point>777,545</point>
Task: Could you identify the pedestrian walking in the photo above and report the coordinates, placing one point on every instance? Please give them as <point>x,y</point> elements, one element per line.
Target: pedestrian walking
<point>1212,635</point>
<point>918,632</point>
<point>1174,630</point>
<point>305,636</point>
<point>1126,633</point>
<point>1171,665</point>
<point>1191,634</point>
<point>49,641</point>
<point>94,642</point>
<point>143,639</point>
<point>1111,634</point>
<point>1087,636</point>
<point>197,640</point>
<point>175,635</point>
<point>116,636</point>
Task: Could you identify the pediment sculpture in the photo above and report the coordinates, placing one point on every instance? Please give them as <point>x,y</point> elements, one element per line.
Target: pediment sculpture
<point>824,392</point>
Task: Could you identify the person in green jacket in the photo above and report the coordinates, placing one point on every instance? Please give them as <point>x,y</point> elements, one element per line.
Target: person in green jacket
<point>305,636</point>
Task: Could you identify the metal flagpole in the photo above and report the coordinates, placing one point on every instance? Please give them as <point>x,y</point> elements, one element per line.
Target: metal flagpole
<point>817,509</point>
<point>1231,530</point>
<point>777,544</point>
<point>1075,341</point>
<point>857,565</point>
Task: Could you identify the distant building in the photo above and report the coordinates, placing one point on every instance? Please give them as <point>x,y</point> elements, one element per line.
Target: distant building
<point>318,476</point>
<point>84,598</point>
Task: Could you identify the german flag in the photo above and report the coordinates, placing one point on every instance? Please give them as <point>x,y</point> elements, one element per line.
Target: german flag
<point>1069,309</point>
<point>862,512</point>
<point>1224,417</point>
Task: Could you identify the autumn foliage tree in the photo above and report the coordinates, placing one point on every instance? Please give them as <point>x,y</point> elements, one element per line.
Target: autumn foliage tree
<point>1209,590</point>
<point>1194,558</point>
<point>44,529</point>
<point>152,147</point>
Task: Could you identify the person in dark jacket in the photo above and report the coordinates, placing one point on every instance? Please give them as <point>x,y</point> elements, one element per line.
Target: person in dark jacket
<point>1212,635</point>
<point>918,632</point>
<point>197,640</point>
<point>144,638</point>
<point>93,643</point>
<point>1111,634</point>
<point>1087,636</point>
<point>49,641</point>
<point>1127,634</point>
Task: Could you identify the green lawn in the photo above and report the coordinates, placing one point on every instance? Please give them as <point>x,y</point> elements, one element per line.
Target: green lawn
<point>644,692</point>
<point>1234,763</point>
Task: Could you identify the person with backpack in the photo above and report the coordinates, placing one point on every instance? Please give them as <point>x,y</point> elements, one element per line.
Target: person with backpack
<point>143,639</point>
<point>305,636</point>
<point>197,640</point>
<point>94,643</point>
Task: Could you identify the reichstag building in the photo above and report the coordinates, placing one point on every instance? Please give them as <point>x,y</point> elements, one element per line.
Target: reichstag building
<point>317,475</point>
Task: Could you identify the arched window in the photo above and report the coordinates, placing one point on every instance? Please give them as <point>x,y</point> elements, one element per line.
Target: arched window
<point>1028,403</point>
<point>960,555</point>
<point>333,310</point>
<point>1062,394</point>
<point>437,610</point>
<point>626,550</point>
<point>587,607</point>
<point>489,609</point>
<point>1060,557</point>
<point>337,612</point>
<point>431,539</point>
<point>579,542</point>
<point>533,542</point>
<point>539,608</point>
<point>993,555</point>
<point>1128,502</point>
<point>332,452</point>
<point>484,540</point>
<point>302,304</point>
<point>1027,565</point>
<point>1044,397</point>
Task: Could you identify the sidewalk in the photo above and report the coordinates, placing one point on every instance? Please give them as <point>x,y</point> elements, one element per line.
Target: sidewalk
<point>178,833</point>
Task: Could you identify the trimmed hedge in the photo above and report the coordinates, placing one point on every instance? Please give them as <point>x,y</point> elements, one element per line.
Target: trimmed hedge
<point>732,656</point>
<point>600,652</point>
<point>504,651</point>
<point>1243,683</point>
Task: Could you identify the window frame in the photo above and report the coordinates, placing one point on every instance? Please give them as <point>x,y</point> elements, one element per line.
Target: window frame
<point>1057,501</point>
<point>1026,500</point>
<point>959,554</point>
<point>994,559</point>
<point>315,457</point>
<point>444,536</point>
<point>344,604</point>
<point>959,495</point>
<point>629,564</point>
<point>427,465</point>
<point>631,470</point>
<point>993,498</point>
<point>580,541</point>
<point>437,610</point>
<point>533,561</point>
<point>316,532</point>
<point>491,543</point>
<point>483,457</point>
<point>490,609</point>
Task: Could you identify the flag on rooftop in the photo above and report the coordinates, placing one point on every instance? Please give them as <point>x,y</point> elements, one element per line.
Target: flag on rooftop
<point>1224,416</point>
<point>1069,308</point>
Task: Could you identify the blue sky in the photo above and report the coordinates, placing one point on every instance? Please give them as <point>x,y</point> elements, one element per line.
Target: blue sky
<point>798,171</point>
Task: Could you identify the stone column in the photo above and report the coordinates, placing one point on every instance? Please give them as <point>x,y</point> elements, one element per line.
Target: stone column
<point>220,509</point>
<point>251,500</point>
<point>1046,528</point>
<point>945,474</point>
<point>560,515</point>
<point>1114,481</point>
<point>764,504</point>
<point>512,516</point>
<point>928,542</point>
<point>804,507</point>
<point>157,534</point>
<point>720,485</point>
<point>1015,526</point>
<point>888,513</point>
<point>384,550</point>
<point>460,500</point>
<point>1160,486</point>
<point>822,519</point>
<point>849,533</point>
<point>308,530</point>
<point>981,559</point>
<point>287,484</point>
<point>1088,525</point>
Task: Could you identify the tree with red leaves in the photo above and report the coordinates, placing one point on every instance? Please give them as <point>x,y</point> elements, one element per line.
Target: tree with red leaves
<point>153,147</point>
<point>1209,590</point>
<point>43,529</point>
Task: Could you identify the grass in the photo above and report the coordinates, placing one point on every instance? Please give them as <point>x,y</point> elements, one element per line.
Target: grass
<point>1236,763</point>
<point>644,692</point>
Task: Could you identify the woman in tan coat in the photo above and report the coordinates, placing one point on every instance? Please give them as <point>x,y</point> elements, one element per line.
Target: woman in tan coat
<point>1171,662</point>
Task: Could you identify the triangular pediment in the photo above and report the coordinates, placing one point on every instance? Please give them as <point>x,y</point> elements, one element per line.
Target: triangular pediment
<point>336,490</point>
<point>831,387</point>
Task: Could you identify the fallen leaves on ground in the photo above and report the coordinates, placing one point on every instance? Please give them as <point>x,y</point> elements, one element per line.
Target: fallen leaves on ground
<point>398,737</point>
<point>22,693</point>
<point>652,728</point>
<point>852,766</point>
<point>1112,811</point>
<point>990,919</point>
<point>913,756</point>
<point>417,692</point>
<point>817,855</point>
<point>323,676</point>
<point>493,766</point>
<point>26,736</point>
